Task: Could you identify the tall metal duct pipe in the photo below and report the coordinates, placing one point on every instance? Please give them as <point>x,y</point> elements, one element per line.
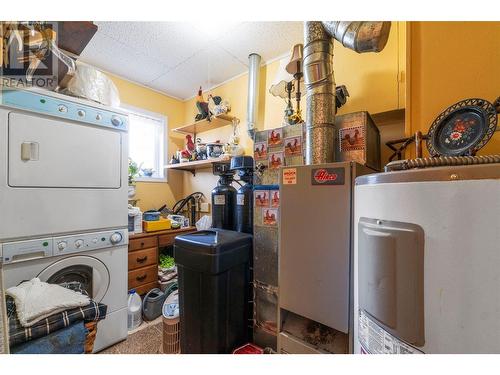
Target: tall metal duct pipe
<point>253,92</point>
<point>361,37</point>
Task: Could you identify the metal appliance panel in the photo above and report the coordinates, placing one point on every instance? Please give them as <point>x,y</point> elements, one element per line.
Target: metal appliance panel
<point>458,213</point>
<point>314,253</point>
<point>67,154</point>
<point>45,210</point>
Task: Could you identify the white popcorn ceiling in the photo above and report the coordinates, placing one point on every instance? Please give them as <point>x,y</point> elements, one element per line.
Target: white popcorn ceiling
<point>177,57</point>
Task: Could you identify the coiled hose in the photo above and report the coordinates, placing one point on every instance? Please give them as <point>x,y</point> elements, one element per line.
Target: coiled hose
<point>441,161</point>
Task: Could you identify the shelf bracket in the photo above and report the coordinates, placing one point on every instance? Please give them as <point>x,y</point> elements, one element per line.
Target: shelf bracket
<point>193,171</point>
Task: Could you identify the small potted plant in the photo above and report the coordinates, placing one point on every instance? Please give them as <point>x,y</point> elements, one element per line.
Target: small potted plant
<point>133,172</point>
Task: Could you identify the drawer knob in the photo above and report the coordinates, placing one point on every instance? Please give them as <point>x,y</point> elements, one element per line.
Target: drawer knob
<point>142,244</point>
<point>141,278</point>
<point>142,260</point>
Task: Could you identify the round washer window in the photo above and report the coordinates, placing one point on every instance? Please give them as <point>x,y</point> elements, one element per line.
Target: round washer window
<point>88,272</point>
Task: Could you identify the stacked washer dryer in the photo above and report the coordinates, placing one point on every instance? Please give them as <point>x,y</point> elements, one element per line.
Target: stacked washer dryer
<point>63,198</point>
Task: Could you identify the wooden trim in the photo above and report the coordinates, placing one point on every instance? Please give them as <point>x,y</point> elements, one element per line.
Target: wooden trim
<point>160,232</point>
<point>408,83</point>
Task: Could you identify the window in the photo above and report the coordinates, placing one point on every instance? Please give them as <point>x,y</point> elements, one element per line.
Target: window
<point>147,146</point>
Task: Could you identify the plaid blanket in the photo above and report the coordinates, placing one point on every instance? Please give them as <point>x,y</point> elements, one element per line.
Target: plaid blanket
<point>18,334</point>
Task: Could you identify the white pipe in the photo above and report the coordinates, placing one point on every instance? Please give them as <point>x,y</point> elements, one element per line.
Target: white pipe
<point>253,92</point>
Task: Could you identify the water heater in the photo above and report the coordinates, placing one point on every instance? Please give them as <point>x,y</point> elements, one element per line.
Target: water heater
<point>427,261</point>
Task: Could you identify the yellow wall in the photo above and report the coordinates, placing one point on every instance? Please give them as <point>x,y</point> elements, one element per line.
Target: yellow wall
<point>155,194</point>
<point>451,61</point>
<point>371,79</point>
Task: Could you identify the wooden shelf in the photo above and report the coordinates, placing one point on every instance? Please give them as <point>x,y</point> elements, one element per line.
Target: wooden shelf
<point>204,125</point>
<point>192,166</point>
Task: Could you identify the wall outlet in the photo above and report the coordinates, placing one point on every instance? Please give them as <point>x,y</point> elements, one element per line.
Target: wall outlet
<point>204,207</point>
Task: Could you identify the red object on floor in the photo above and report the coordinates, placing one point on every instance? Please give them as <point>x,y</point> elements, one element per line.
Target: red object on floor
<point>248,349</point>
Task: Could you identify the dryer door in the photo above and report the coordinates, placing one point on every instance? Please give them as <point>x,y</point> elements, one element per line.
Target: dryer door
<point>79,272</point>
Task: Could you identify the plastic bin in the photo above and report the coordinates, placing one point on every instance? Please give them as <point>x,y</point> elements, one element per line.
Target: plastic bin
<point>249,349</point>
<point>213,275</point>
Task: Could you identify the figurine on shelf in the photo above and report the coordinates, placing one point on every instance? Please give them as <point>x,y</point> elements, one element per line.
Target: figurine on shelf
<point>201,149</point>
<point>189,143</point>
<point>202,106</point>
<point>174,159</point>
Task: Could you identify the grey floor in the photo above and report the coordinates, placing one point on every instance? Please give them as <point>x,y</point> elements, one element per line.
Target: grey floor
<point>146,339</point>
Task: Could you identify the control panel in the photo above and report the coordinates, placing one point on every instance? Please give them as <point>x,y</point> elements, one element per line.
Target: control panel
<point>45,104</point>
<point>63,245</point>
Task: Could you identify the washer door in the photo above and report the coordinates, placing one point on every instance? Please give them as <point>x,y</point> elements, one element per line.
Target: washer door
<point>90,272</point>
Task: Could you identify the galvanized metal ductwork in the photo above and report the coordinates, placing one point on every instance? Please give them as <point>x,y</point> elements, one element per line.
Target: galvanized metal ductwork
<point>364,36</point>
<point>253,92</point>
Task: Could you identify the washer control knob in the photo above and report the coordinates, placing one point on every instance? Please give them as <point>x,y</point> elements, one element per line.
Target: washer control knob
<point>62,108</point>
<point>80,113</point>
<point>62,245</point>
<point>94,240</point>
<point>78,243</point>
<point>116,238</point>
<point>116,121</point>
<point>98,117</point>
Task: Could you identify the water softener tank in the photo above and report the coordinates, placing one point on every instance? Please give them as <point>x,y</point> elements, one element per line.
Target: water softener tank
<point>243,210</point>
<point>223,198</point>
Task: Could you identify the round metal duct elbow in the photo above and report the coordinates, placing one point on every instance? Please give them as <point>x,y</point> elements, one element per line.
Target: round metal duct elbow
<point>360,36</point>
<point>364,36</point>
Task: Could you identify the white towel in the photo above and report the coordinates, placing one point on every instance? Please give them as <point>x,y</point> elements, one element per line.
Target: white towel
<point>35,300</point>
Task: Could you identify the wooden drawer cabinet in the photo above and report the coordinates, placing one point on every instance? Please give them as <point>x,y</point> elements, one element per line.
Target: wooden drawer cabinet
<point>142,276</point>
<point>143,243</point>
<point>143,250</point>
<point>142,258</point>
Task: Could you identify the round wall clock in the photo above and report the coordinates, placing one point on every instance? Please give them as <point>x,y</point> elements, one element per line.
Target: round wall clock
<point>463,128</point>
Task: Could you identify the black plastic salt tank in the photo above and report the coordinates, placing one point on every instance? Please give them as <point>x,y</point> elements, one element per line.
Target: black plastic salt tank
<point>213,275</point>
<point>243,210</point>
<point>223,198</point>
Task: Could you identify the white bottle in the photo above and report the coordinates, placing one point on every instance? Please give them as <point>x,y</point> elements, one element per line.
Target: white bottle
<point>134,310</point>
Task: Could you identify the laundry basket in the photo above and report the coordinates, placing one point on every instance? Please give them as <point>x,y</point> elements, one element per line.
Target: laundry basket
<point>171,324</point>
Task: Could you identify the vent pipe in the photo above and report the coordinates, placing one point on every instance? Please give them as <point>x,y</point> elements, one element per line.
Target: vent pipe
<point>253,92</point>
<point>319,81</point>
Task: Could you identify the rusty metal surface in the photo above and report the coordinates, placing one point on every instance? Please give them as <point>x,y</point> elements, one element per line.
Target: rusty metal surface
<point>315,334</point>
<point>358,139</point>
<point>265,268</point>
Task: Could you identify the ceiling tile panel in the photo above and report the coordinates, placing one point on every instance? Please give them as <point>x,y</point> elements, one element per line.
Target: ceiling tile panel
<point>207,68</point>
<point>268,39</point>
<point>178,57</point>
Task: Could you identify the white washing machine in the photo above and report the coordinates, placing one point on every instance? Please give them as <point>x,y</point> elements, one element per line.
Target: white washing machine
<point>96,260</point>
<point>427,261</point>
<point>63,197</point>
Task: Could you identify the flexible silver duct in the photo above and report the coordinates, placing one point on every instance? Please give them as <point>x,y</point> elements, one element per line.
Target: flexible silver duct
<point>319,81</point>
<point>253,92</point>
<point>441,161</point>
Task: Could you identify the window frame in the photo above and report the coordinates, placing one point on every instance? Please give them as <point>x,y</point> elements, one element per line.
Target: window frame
<point>137,111</point>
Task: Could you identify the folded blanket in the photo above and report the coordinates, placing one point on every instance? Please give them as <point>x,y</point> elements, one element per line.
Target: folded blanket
<point>18,334</point>
<point>36,300</point>
<point>69,340</point>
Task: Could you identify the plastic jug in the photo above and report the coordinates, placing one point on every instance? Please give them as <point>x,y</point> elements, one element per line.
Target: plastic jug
<point>134,312</point>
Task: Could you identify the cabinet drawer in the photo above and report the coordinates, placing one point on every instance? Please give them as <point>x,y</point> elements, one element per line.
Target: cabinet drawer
<point>142,243</point>
<point>142,276</point>
<point>143,289</point>
<point>142,258</point>
<point>168,239</point>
